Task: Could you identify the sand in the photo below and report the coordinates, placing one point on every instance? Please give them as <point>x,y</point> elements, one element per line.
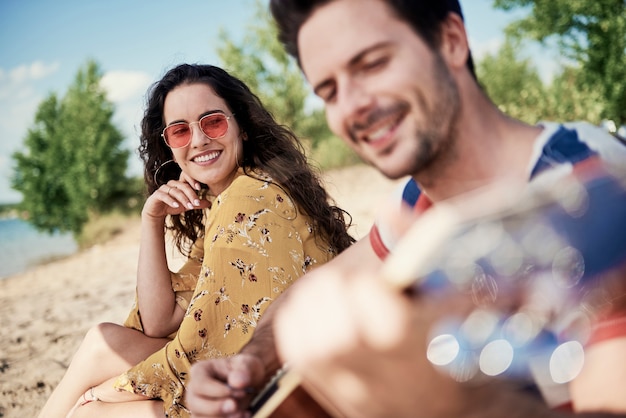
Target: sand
<point>45,312</point>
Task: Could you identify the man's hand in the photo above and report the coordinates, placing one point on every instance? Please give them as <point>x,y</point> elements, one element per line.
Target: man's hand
<point>224,387</point>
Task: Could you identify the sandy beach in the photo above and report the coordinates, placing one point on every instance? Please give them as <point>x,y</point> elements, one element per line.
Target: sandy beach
<point>46,311</point>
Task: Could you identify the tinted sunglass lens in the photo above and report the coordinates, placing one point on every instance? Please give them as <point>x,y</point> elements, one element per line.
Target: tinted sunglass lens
<point>214,126</point>
<point>177,135</point>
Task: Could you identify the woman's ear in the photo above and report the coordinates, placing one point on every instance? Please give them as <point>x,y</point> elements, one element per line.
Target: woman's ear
<point>244,136</point>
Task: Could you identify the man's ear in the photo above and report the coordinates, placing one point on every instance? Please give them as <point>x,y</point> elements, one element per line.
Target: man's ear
<point>454,44</point>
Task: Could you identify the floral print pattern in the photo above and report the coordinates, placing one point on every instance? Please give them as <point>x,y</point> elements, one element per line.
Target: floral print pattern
<point>257,244</point>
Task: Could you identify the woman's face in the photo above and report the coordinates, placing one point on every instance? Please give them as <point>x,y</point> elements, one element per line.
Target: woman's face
<point>213,162</point>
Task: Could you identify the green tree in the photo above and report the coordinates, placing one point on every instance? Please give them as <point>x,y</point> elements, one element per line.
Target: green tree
<point>568,98</point>
<point>73,164</point>
<point>592,33</point>
<point>513,83</point>
<point>262,63</point>
<point>515,86</point>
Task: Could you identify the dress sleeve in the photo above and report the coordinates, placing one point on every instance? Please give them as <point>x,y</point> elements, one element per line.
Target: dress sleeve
<point>254,249</point>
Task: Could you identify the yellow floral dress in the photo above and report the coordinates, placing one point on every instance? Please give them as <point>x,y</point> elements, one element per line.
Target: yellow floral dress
<point>256,244</point>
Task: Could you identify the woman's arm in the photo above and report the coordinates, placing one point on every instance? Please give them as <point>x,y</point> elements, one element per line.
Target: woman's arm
<point>160,314</point>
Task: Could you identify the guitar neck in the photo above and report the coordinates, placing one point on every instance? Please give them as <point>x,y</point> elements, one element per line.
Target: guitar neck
<point>285,397</point>
<point>546,249</point>
<point>583,213</point>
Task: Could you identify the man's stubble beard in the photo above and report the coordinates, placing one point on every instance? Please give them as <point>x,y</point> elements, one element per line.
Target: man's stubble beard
<point>436,141</point>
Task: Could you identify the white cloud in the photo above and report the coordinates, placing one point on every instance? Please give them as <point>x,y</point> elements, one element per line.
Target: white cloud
<point>127,89</point>
<point>17,84</point>
<point>39,70</point>
<point>125,85</point>
<point>28,72</point>
<point>19,98</point>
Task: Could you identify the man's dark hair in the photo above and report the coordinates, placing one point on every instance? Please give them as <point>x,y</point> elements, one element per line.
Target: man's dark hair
<point>424,16</point>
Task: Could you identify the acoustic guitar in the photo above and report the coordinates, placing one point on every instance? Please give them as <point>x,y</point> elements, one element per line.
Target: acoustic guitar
<point>555,241</point>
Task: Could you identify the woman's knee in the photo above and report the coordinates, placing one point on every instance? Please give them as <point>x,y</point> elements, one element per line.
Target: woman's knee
<point>102,338</point>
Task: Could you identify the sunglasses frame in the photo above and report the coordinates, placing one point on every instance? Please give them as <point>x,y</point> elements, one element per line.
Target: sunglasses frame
<point>201,130</point>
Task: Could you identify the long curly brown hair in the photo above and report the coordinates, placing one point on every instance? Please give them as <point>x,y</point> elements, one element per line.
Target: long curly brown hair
<point>270,148</point>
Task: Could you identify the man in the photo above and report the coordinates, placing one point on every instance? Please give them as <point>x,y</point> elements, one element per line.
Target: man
<point>398,84</point>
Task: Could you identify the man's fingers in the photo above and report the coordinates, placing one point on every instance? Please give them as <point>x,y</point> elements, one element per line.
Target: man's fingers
<point>221,387</point>
<point>207,381</point>
<point>208,394</point>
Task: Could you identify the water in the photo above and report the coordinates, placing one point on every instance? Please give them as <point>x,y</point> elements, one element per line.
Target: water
<point>22,246</point>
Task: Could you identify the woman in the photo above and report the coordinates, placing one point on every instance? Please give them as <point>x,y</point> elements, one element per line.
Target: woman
<point>207,143</point>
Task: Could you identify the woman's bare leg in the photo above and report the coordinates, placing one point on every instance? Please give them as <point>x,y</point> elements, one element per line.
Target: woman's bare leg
<point>143,409</point>
<point>106,351</point>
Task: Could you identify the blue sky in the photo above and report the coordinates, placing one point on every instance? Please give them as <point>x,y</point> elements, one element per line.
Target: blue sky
<point>43,44</point>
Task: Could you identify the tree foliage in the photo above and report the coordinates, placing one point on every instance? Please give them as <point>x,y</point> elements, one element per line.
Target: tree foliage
<point>568,98</point>
<point>262,63</point>
<point>513,83</point>
<point>592,33</point>
<point>72,164</point>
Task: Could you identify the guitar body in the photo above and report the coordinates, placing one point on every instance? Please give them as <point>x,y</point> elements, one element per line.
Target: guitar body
<point>284,397</point>
<point>300,404</point>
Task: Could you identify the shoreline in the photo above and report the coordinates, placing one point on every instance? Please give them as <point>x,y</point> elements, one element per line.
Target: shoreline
<point>46,310</point>
<point>23,247</point>
<point>40,262</point>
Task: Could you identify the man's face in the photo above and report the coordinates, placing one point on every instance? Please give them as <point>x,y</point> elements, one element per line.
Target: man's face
<point>387,94</point>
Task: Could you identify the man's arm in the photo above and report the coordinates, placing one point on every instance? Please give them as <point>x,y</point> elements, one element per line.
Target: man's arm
<point>600,385</point>
<point>220,387</point>
<point>366,352</point>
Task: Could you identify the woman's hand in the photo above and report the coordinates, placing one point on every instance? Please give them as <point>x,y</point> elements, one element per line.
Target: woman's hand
<point>102,393</point>
<point>87,397</point>
<point>174,198</point>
